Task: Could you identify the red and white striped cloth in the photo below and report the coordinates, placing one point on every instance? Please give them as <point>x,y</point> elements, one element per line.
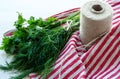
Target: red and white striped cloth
<point>101,61</point>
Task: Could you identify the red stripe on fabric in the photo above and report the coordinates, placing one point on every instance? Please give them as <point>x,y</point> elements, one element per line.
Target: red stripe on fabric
<point>118,77</point>
<point>53,71</point>
<point>106,72</point>
<point>86,54</point>
<point>100,47</point>
<point>32,75</point>
<point>72,55</point>
<point>106,59</point>
<point>81,51</point>
<point>58,66</point>
<point>67,46</point>
<point>117,17</point>
<point>115,4</point>
<point>76,33</point>
<point>116,22</point>
<point>110,3</point>
<point>72,40</point>
<point>112,62</point>
<point>107,69</point>
<point>65,69</point>
<point>116,25</point>
<point>116,12</point>
<point>113,75</point>
<point>107,0</point>
<point>70,45</point>
<point>76,37</point>
<point>116,8</point>
<point>56,69</point>
<point>71,72</point>
<point>114,29</point>
<point>66,12</point>
<point>8,34</point>
<point>64,54</point>
<point>66,51</point>
<point>74,45</point>
<point>77,43</point>
<point>102,55</point>
<point>83,76</point>
<point>77,76</point>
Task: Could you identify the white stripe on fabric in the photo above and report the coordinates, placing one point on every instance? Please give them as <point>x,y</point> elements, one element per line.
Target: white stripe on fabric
<point>75,36</point>
<point>97,57</point>
<point>116,8</point>
<point>71,41</point>
<point>83,73</point>
<point>70,68</point>
<point>115,63</point>
<point>100,52</point>
<point>57,72</point>
<point>117,21</point>
<point>108,1</point>
<point>65,58</point>
<point>104,57</point>
<point>109,74</point>
<point>76,72</point>
<point>118,75</point>
<point>66,51</point>
<point>116,18</point>
<point>93,50</point>
<point>116,24</point>
<point>65,54</point>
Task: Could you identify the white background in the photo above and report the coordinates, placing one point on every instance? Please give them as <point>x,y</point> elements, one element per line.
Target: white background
<point>37,8</point>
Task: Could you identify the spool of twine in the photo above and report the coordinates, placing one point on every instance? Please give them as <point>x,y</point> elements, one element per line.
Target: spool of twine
<point>95,21</point>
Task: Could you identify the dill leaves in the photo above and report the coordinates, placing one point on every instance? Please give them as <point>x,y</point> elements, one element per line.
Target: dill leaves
<point>36,47</point>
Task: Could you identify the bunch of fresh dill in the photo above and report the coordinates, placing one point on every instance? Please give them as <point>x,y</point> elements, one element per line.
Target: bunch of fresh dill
<point>36,47</point>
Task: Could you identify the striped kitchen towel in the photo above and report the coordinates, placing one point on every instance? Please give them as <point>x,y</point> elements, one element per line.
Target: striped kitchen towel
<point>101,61</point>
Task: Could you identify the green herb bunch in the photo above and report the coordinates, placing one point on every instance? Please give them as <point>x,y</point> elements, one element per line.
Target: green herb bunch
<point>36,47</point>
